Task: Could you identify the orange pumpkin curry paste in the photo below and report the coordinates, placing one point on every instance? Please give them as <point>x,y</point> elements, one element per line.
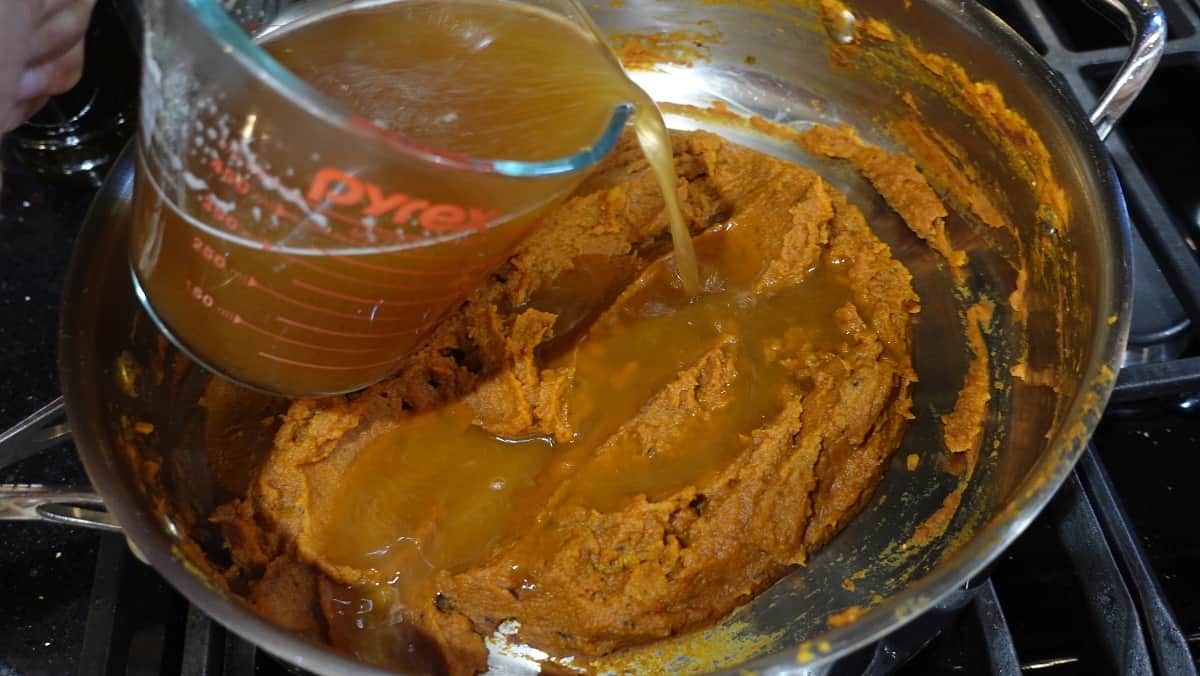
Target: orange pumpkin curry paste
<point>584,455</point>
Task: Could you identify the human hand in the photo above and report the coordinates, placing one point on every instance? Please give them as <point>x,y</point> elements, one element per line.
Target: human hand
<point>41,53</point>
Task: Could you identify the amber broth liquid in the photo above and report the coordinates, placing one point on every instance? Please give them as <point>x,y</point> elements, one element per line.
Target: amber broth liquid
<point>437,493</point>
<point>253,287</point>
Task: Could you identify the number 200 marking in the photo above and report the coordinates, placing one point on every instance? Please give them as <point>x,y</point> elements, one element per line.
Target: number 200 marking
<point>208,253</point>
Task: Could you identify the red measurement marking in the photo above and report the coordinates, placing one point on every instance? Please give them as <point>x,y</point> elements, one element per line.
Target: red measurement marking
<point>228,176</point>
<point>198,294</point>
<point>327,367</point>
<point>385,268</point>
<point>358,299</point>
<point>303,262</point>
<point>402,272</point>
<point>223,217</point>
<point>335,294</point>
<point>253,283</point>
<point>237,320</point>
<point>412,254</point>
<point>354,334</point>
<point>208,253</point>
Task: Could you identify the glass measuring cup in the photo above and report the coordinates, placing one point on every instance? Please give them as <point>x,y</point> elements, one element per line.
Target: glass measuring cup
<point>292,244</point>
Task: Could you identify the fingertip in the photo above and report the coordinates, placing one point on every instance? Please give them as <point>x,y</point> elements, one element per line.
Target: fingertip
<point>33,82</point>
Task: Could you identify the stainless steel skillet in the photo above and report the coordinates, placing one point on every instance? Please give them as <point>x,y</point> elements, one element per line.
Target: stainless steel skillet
<point>132,402</point>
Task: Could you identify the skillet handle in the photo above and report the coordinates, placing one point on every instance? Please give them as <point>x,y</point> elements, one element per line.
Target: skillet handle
<point>43,429</point>
<point>67,506</point>
<point>1148,27</point>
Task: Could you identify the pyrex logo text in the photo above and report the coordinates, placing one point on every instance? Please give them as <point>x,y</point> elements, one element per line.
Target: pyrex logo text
<point>338,187</point>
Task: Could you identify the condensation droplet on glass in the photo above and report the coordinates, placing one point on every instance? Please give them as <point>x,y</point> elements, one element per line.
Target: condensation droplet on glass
<point>840,27</point>
<point>227,206</point>
<point>194,182</point>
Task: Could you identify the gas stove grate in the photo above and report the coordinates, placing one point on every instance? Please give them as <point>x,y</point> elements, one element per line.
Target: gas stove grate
<point>1154,150</point>
<point>138,625</point>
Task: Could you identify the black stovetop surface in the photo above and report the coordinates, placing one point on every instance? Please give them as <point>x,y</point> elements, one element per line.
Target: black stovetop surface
<point>73,601</point>
<point>45,573</point>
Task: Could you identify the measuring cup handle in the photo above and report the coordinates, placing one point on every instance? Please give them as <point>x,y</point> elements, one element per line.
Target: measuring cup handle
<point>1147,26</point>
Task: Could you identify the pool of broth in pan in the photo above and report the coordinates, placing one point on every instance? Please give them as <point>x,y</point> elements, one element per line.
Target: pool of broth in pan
<point>437,493</point>
<point>486,79</point>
